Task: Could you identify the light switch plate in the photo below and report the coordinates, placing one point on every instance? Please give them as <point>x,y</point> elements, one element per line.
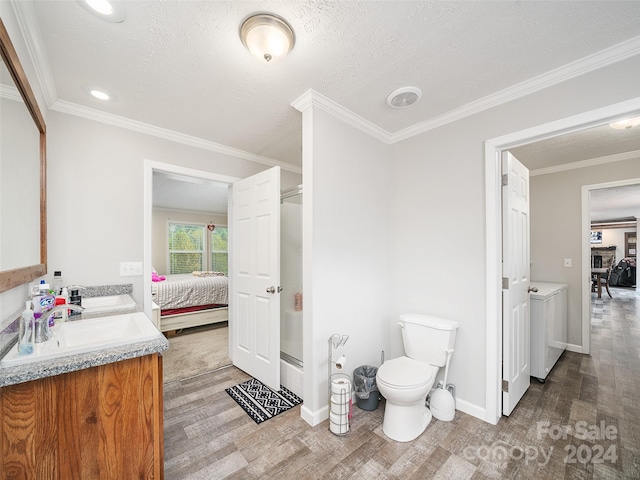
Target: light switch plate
<point>130,269</point>
<point>567,262</point>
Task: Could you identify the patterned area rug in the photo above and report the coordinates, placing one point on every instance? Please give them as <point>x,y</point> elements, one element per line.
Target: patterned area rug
<point>260,402</point>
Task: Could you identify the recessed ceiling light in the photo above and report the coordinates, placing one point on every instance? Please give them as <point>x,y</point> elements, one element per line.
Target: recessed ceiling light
<point>109,10</point>
<point>99,93</point>
<point>626,124</point>
<point>404,97</point>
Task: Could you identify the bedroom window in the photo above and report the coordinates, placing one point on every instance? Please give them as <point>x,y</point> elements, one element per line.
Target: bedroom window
<point>219,250</point>
<point>186,248</point>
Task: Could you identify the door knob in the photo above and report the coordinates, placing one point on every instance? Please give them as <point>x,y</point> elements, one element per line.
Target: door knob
<point>272,289</point>
<point>533,289</point>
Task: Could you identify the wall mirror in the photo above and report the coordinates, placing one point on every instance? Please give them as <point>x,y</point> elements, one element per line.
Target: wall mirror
<point>23,209</point>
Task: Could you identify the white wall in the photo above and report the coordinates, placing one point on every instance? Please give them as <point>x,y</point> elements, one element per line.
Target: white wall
<point>346,241</point>
<point>95,195</point>
<point>438,197</point>
<point>160,235</point>
<point>615,237</point>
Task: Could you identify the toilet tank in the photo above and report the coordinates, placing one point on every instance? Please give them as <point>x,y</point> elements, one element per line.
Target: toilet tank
<point>426,338</point>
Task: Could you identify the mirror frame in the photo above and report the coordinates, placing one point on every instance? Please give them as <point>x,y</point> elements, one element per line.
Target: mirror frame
<point>19,276</point>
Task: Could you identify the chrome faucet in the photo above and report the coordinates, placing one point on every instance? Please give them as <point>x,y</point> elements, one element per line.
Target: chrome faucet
<point>43,332</point>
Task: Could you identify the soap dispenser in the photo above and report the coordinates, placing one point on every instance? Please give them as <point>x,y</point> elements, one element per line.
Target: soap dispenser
<point>26,331</point>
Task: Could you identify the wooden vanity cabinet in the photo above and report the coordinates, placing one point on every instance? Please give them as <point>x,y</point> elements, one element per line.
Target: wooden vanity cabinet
<point>102,422</point>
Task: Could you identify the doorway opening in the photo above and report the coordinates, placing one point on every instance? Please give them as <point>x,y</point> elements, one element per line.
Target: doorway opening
<point>493,216</point>
<point>166,170</point>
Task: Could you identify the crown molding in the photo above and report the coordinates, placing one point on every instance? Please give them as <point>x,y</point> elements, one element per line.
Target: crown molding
<point>28,24</point>
<point>571,70</point>
<point>148,129</point>
<point>11,93</point>
<point>311,97</point>
<point>618,157</point>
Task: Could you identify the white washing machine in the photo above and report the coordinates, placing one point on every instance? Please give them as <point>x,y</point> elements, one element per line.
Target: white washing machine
<point>548,326</point>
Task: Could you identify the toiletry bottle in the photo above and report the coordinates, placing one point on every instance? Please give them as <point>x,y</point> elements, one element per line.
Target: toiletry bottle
<point>60,315</point>
<point>27,331</point>
<point>65,294</point>
<point>57,282</point>
<point>43,303</point>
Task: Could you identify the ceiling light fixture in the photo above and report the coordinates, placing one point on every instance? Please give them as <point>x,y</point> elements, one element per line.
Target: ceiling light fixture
<point>267,36</point>
<point>404,97</point>
<point>99,93</point>
<point>626,124</point>
<point>109,10</point>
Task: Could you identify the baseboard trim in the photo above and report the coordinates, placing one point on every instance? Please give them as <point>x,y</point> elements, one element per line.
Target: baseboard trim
<point>471,409</point>
<point>574,348</point>
<point>314,418</point>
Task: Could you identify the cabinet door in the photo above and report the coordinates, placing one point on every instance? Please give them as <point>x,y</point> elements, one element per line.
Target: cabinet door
<point>100,422</point>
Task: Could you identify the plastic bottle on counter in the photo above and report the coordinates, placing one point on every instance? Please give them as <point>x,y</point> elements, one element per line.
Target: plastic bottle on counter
<point>27,330</point>
<point>57,284</point>
<point>60,315</point>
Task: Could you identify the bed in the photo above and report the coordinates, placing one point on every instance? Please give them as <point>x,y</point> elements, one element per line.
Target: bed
<point>189,300</point>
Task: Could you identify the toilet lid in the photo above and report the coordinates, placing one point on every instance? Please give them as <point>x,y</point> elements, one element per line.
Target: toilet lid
<point>405,372</point>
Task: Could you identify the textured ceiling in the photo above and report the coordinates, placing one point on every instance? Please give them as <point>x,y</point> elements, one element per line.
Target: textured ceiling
<point>179,192</point>
<point>603,141</point>
<point>615,203</point>
<point>180,64</point>
<point>593,143</point>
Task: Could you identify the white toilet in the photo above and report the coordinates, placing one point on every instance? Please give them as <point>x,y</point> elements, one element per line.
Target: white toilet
<point>405,381</point>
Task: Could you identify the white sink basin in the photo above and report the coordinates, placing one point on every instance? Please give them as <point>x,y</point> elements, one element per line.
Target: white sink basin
<point>84,336</point>
<point>108,303</point>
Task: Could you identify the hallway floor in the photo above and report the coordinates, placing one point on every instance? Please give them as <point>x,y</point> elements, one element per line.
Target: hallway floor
<point>583,423</point>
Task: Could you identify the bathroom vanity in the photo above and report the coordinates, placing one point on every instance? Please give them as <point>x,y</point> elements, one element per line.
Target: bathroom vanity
<point>95,414</point>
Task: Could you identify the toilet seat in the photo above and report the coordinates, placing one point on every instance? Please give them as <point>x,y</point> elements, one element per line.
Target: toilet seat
<point>405,373</point>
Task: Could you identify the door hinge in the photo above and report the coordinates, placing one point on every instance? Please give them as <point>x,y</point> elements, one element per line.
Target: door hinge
<point>505,283</point>
<point>505,386</point>
<point>505,179</point>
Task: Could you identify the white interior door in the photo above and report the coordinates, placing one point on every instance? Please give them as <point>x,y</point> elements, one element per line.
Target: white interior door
<point>255,281</point>
<point>516,254</point>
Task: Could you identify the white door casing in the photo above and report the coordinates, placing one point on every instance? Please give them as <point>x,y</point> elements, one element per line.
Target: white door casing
<point>516,267</point>
<point>255,286</point>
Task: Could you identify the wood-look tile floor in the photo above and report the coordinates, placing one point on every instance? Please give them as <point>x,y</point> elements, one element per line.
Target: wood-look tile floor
<point>584,422</point>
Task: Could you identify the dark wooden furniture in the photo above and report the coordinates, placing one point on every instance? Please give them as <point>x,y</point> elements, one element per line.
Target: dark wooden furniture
<point>599,277</point>
<point>630,244</point>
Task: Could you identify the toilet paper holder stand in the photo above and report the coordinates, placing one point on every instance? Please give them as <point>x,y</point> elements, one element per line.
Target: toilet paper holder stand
<point>343,399</point>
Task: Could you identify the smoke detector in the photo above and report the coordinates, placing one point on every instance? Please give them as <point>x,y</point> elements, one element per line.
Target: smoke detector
<point>404,97</point>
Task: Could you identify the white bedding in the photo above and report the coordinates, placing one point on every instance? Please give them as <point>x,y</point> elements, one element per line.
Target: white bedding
<point>180,291</point>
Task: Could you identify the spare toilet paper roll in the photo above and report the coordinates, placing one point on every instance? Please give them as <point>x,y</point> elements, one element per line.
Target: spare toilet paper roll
<point>341,385</point>
<point>340,408</point>
<point>338,424</point>
<point>340,399</point>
